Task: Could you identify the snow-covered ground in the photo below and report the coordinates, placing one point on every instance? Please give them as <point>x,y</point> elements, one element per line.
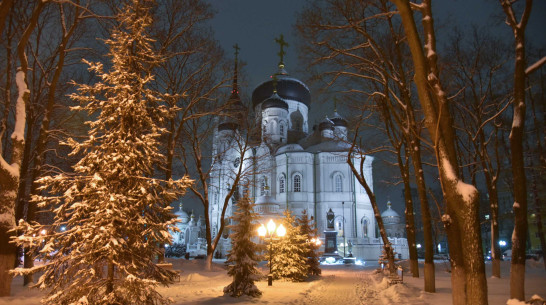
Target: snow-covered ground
<point>338,285</point>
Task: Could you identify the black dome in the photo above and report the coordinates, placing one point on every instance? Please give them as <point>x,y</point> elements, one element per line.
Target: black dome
<point>274,101</point>
<point>338,120</point>
<point>326,124</point>
<point>287,88</point>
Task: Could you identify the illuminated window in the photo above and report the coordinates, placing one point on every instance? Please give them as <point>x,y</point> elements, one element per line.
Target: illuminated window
<point>338,183</point>
<point>297,183</point>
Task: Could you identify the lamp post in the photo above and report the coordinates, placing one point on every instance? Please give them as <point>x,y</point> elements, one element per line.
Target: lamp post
<point>344,241</point>
<point>269,232</point>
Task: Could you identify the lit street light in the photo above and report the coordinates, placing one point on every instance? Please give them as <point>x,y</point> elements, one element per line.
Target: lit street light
<point>269,232</point>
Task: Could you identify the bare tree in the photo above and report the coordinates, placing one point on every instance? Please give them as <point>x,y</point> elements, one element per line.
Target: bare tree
<point>10,170</point>
<point>476,66</point>
<point>461,218</point>
<point>48,65</point>
<point>521,71</point>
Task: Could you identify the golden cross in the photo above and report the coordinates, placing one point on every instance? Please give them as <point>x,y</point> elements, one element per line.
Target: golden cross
<point>282,43</point>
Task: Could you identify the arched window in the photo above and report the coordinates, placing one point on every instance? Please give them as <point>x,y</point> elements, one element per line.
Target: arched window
<point>282,183</point>
<point>338,183</point>
<point>262,187</point>
<point>281,129</point>
<point>297,183</point>
<point>365,227</point>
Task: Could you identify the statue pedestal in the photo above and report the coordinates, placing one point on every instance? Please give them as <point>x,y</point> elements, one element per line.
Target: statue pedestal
<point>330,246</point>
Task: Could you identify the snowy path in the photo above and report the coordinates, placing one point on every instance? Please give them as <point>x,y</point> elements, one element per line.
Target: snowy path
<point>358,287</point>
<point>343,285</point>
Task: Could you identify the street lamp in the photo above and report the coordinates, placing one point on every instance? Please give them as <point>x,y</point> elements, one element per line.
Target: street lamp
<point>269,232</point>
<point>344,240</point>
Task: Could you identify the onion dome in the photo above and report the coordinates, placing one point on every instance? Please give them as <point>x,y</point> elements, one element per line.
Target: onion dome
<point>274,101</point>
<point>192,220</point>
<point>326,124</point>
<point>390,216</point>
<point>287,88</point>
<point>182,215</point>
<point>338,120</point>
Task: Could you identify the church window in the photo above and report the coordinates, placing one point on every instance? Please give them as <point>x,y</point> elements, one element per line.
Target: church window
<point>262,187</point>
<point>297,183</point>
<point>365,227</point>
<point>281,184</point>
<point>338,183</point>
<point>282,129</point>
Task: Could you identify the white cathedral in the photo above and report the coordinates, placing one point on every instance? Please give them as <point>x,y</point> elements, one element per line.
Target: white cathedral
<point>293,167</point>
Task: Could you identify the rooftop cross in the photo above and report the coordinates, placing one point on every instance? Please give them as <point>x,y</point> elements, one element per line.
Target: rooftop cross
<point>282,43</point>
<point>236,47</point>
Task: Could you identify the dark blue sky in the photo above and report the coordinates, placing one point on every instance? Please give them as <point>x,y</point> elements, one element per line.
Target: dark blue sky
<point>254,24</point>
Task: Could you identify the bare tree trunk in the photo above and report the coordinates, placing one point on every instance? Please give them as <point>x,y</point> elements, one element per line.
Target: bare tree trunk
<point>5,8</point>
<point>430,276</point>
<point>519,236</point>
<point>10,173</point>
<point>360,177</point>
<point>410,221</point>
<point>468,278</point>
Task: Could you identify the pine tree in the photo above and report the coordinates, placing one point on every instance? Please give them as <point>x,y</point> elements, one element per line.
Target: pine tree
<point>290,252</point>
<point>110,214</point>
<point>308,229</point>
<point>242,259</point>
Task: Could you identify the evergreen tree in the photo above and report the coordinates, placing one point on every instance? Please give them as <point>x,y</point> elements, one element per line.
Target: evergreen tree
<point>290,252</point>
<point>242,259</point>
<point>308,229</point>
<point>110,215</point>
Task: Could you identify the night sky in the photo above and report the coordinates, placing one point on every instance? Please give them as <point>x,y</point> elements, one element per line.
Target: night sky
<point>254,25</point>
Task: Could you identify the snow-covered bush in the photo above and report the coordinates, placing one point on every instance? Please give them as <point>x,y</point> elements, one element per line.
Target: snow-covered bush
<point>175,250</point>
<point>110,215</point>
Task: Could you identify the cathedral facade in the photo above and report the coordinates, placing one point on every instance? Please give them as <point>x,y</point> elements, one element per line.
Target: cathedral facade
<point>292,166</point>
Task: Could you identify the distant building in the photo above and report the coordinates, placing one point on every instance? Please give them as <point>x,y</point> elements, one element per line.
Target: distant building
<point>393,222</point>
<point>191,232</point>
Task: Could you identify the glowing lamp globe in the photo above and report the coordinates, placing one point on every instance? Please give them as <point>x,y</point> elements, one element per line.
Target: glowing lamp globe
<point>271,227</point>
<point>262,231</point>
<point>281,231</point>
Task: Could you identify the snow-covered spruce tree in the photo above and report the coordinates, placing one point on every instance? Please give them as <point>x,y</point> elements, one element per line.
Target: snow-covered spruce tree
<point>242,259</point>
<point>308,229</point>
<point>110,214</point>
<point>290,252</point>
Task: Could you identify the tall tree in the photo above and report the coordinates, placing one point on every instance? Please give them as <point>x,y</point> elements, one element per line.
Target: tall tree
<point>48,86</point>
<point>461,217</point>
<point>521,71</point>
<point>242,259</point>
<point>10,171</point>
<point>475,63</point>
<point>111,214</point>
